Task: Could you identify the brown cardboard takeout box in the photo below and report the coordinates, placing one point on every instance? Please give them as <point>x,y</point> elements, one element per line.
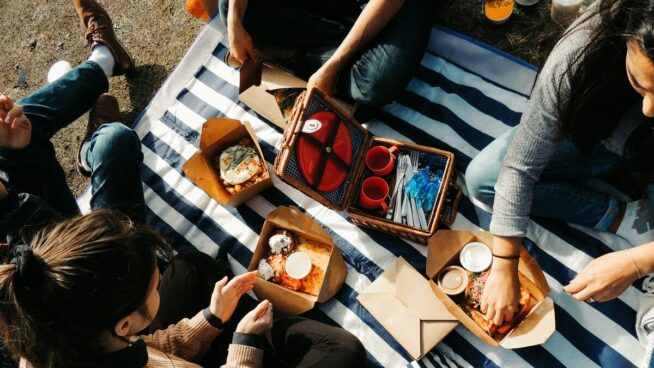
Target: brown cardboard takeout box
<point>286,300</point>
<point>401,300</point>
<point>536,327</point>
<point>218,134</point>
<point>256,79</point>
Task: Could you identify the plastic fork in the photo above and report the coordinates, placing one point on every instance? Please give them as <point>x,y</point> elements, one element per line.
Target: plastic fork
<point>396,197</point>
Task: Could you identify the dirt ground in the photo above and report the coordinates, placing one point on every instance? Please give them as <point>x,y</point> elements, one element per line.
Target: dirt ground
<point>34,34</point>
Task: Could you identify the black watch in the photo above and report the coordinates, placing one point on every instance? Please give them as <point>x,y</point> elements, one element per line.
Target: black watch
<point>213,320</point>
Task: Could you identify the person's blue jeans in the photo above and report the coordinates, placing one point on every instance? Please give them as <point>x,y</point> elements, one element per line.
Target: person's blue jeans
<point>114,155</point>
<point>560,192</point>
<point>377,75</point>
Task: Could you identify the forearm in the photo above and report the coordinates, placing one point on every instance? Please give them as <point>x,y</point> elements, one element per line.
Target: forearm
<point>236,13</point>
<point>643,256</point>
<point>374,17</point>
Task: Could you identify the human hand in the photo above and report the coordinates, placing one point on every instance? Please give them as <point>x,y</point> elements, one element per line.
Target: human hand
<point>15,127</point>
<point>258,321</point>
<point>324,79</point>
<point>240,43</point>
<point>226,295</point>
<point>499,300</point>
<point>604,278</point>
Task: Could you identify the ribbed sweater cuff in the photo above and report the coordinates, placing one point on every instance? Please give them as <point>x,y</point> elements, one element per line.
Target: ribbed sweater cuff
<point>201,328</point>
<point>244,356</point>
<point>509,226</point>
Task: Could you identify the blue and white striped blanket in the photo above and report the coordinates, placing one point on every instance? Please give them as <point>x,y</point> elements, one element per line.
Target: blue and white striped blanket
<point>463,96</point>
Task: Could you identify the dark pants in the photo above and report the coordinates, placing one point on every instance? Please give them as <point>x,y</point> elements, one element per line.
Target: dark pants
<point>294,341</point>
<point>115,153</point>
<point>382,69</point>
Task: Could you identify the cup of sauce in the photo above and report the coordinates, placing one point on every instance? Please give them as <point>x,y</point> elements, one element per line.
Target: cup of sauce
<point>298,265</point>
<point>452,280</point>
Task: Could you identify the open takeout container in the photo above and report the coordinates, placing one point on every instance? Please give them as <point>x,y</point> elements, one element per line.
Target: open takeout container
<point>536,327</point>
<point>218,134</point>
<point>346,196</point>
<point>258,80</point>
<point>286,300</point>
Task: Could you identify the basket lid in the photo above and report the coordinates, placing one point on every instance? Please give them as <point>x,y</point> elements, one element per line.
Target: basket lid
<point>324,151</point>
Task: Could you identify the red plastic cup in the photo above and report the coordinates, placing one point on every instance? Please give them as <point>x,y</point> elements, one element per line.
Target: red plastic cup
<point>381,160</point>
<point>374,191</point>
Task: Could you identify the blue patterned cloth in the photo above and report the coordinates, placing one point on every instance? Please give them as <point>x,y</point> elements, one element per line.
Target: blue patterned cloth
<point>463,96</point>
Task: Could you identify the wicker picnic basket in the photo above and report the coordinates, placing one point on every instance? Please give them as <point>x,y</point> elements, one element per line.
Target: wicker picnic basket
<point>345,197</point>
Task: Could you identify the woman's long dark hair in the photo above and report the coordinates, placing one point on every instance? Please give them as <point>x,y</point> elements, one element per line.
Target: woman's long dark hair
<point>600,91</point>
<point>72,283</point>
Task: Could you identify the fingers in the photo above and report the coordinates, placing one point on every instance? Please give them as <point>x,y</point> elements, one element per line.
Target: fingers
<point>6,103</point>
<point>584,294</point>
<point>576,285</point>
<point>14,113</point>
<point>218,287</point>
<point>262,308</point>
<point>490,312</point>
<point>509,312</point>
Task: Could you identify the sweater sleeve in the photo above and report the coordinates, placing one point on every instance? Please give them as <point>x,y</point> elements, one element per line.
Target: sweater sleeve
<point>536,139</point>
<point>243,356</point>
<point>189,339</point>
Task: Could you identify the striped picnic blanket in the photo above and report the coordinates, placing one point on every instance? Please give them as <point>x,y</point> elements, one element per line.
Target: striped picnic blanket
<point>463,95</point>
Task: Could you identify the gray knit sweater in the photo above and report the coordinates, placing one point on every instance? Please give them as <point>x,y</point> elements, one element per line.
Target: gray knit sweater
<point>538,136</point>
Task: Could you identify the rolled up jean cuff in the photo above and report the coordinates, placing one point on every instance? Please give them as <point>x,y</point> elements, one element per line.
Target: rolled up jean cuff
<point>609,216</point>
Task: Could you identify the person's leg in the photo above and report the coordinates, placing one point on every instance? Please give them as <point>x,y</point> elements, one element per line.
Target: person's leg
<point>35,168</point>
<point>560,192</point>
<point>386,66</point>
<point>186,287</point>
<point>115,159</point>
<point>63,101</point>
<point>288,24</point>
<point>302,342</point>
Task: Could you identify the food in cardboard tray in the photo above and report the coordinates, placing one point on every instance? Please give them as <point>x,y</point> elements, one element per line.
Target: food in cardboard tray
<point>320,259</point>
<point>240,166</point>
<point>471,304</point>
<point>282,242</point>
<point>286,98</point>
<point>265,270</point>
<point>273,268</point>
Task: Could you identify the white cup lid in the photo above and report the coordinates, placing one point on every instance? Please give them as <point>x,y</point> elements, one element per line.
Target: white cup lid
<point>476,257</point>
<point>298,265</point>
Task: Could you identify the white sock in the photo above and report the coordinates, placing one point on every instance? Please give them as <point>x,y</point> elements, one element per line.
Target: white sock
<point>83,153</point>
<point>103,57</point>
<point>637,225</point>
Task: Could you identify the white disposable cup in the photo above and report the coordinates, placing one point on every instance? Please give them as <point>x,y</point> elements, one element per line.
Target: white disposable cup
<point>476,257</point>
<point>298,265</point>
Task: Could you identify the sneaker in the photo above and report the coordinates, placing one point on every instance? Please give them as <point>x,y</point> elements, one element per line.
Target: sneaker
<point>100,30</point>
<point>637,225</point>
<point>105,110</point>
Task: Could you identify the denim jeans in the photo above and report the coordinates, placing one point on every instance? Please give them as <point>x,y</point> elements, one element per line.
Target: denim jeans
<point>560,192</point>
<point>114,155</point>
<point>381,70</point>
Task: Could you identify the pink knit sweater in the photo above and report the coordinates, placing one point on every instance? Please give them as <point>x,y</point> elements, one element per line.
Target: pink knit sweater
<point>188,340</point>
